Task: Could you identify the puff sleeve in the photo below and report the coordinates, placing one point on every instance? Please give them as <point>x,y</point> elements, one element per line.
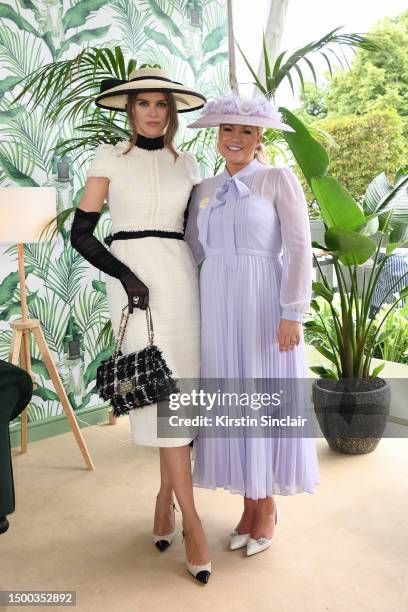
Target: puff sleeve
<point>291,206</point>
<point>192,167</point>
<point>191,233</point>
<point>102,163</point>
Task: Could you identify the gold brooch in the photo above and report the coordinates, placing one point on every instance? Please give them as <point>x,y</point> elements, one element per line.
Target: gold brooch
<point>204,202</point>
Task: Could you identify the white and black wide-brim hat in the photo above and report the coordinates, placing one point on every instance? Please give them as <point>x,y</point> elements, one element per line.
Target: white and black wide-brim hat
<point>113,92</point>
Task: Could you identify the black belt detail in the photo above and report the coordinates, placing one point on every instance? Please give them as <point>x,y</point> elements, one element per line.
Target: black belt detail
<point>142,234</point>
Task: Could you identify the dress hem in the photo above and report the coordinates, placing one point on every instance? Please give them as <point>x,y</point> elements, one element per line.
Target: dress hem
<point>276,490</point>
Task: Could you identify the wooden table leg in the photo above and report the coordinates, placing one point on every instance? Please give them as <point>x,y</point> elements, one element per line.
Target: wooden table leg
<point>25,363</point>
<point>15,346</point>
<point>16,355</point>
<point>50,365</point>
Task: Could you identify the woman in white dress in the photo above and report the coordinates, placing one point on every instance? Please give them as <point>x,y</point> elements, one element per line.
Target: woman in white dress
<point>147,183</point>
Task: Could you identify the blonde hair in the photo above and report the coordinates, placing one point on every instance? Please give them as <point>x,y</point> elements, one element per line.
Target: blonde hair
<point>260,151</point>
<point>172,126</point>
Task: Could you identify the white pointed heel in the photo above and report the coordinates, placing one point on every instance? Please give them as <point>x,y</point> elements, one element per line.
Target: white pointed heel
<point>162,542</point>
<point>201,573</point>
<point>257,546</point>
<point>238,540</point>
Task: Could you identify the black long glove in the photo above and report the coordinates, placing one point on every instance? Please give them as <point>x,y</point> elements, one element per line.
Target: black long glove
<point>83,240</point>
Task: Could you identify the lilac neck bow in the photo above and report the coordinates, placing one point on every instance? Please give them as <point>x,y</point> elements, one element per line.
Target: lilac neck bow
<point>230,190</point>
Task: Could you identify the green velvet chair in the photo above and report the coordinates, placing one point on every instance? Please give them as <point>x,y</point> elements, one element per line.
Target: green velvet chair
<point>16,389</point>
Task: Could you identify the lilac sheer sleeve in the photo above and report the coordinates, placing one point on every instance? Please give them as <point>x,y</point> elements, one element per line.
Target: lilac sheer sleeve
<point>291,206</point>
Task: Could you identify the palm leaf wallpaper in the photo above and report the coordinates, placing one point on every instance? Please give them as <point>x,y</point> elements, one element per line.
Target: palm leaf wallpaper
<point>188,38</point>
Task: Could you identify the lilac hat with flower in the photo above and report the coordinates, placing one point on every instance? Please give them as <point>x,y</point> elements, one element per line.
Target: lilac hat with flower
<point>233,109</point>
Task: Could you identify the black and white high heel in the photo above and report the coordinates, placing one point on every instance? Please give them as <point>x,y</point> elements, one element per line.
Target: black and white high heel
<point>162,542</point>
<point>201,573</point>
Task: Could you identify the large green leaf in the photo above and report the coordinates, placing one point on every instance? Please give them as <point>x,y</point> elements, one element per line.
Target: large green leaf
<point>10,283</point>
<point>90,373</point>
<point>323,291</point>
<point>336,205</point>
<point>163,40</point>
<point>39,367</point>
<point>326,353</point>
<point>164,18</point>
<point>324,372</point>
<point>391,246</point>
<point>15,175</point>
<point>214,39</point>
<point>308,152</point>
<point>14,308</point>
<point>381,196</point>
<point>7,12</point>
<point>217,58</point>
<point>30,6</point>
<point>12,113</point>
<point>83,36</point>
<point>377,370</point>
<point>399,232</point>
<point>369,227</point>
<point>99,286</point>
<point>45,394</point>
<point>78,15</point>
<point>350,247</point>
<point>312,326</point>
<point>8,84</point>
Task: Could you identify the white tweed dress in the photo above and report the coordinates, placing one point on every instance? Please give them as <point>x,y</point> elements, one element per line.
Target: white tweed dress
<point>148,190</point>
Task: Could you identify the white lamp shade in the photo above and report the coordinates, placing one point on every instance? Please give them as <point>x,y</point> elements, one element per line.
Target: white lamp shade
<point>24,213</point>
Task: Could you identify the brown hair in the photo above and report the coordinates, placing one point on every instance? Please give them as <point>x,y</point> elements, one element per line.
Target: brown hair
<point>172,125</point>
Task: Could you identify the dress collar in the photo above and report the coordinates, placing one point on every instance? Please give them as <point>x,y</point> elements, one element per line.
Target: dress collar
<point>248,169</point>
<point>151,144</point>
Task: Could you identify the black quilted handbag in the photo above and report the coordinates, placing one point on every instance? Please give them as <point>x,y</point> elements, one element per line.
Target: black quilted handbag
<point>138,379</point>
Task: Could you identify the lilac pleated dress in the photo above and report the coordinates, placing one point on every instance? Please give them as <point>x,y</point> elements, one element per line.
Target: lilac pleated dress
<point>251,231</point>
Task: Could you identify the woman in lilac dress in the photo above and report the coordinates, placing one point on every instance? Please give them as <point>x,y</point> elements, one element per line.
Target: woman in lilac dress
<point>249,226</point>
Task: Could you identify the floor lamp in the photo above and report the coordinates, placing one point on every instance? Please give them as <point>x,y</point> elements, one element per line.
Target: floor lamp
<point>24,212</point>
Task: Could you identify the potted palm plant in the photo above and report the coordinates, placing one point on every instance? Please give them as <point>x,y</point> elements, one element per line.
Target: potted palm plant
<point>351,401</point>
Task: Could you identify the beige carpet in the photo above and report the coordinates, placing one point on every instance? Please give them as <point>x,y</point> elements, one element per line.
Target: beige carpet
<point>343,549</point>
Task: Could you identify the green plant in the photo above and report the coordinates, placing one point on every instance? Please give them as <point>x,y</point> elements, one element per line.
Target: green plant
<point>347,239</point>
<point>287,64</point>
<point>392,341</point>
<point>375,80</point>
<point>362,147</point>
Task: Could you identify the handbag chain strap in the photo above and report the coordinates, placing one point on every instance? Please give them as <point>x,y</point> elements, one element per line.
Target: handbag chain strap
<point>122,328</point>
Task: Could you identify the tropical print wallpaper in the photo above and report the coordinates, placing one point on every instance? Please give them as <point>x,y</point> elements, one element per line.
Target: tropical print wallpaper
<point>188,38</point>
